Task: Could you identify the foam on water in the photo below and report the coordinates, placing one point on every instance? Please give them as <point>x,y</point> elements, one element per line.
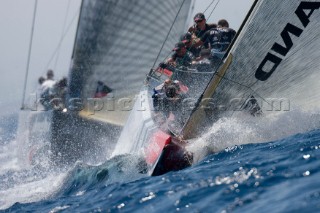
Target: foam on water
<point>27,174</point>
<point>23,179</point>
<point>25,182</point>
<point>243,129</point>
<point>119,169</point>
<point>31,189</point>
<point>8,158</point>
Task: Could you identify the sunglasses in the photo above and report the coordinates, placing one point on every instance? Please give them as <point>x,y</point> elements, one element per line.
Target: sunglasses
<point>198,21</point>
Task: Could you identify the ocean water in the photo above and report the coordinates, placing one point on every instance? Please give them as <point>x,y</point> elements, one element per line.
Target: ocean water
<point>259,165</point>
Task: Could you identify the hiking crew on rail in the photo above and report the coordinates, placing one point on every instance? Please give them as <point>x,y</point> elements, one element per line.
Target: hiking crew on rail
<point>203,41</point>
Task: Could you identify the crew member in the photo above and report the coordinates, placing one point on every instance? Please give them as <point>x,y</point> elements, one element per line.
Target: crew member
<point>60,92</point>
<point>200,27</point>
<point>47,90</point>
<point>189,41</point>
<point>181,56</point>
<point>219,39</point>
<point>50,75</point>
<point>160,91</point>
<point>41,80</point>
<point>173,106</point>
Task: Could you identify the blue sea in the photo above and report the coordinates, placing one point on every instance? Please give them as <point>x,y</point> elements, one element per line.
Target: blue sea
<point>271,166</point>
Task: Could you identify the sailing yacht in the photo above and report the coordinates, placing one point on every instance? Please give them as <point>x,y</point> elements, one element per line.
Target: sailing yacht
<point>116,44</point>
<point>270,67</point>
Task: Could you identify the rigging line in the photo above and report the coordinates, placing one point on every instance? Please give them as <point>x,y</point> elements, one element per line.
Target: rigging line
<point>248,88</point>
<point>168,34</point>
<point>209,6</point>
<point>29,54</point>
<point>193,71</point>
<point>222,77</point>
<point>206,19</point>
<point>234,39</point>
<point>213,9</point>
<point>62,32</point>
<point>241,27</point>
<point>68,28</point>
<point>195,26</point>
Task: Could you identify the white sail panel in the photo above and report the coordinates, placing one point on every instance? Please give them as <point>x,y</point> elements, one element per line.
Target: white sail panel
<point>118,42</point>
<point>294,78</point>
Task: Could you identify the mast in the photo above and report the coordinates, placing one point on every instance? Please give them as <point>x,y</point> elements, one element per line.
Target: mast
<point>74,77</point>
<point>75,39</point>
<point>29,54</point>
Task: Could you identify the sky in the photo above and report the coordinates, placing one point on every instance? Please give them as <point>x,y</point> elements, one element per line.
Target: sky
<point>16,24</point>
<point>55,24</point>
<point>232,10</point>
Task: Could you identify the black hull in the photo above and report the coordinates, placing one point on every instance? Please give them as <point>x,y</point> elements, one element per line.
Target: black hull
<point>75,138</point>
<point>173,158</point>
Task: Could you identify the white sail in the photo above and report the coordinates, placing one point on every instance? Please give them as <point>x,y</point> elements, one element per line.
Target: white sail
<point>274,60</point>
<point>118,42</point>
<point>276,55</point>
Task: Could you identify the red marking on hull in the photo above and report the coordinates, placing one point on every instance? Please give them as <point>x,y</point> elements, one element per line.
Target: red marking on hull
<point>167,72</point>
<point>100,95</point>
<point>158,141</point>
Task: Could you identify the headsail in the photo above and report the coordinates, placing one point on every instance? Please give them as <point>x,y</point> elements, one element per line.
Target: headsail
<point>274,59</point>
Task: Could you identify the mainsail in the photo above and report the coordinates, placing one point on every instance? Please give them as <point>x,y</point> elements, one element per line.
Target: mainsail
<point>118,41</point>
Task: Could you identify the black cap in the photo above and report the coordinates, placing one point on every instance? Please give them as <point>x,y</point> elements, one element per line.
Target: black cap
<point>185,38</point>
<point>199,17</point>
<point>171,91</point>
<point>179,45</point>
